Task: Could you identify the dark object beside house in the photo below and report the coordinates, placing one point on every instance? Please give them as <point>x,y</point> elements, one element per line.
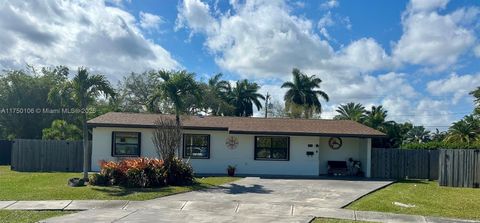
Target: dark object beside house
<point>76,182</point>
<point>337,168</point>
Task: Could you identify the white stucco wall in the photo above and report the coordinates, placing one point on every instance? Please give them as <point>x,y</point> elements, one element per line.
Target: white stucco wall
<point>351,148</point>
<point>243,155</point>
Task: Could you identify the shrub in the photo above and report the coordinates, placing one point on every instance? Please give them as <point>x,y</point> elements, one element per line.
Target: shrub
<point>442,145</point>
<point>138,172</point>
<point>181,173</point>
<point>99,180</point>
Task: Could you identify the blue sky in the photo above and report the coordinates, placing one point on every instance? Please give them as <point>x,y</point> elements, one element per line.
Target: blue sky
<point>418,58</point>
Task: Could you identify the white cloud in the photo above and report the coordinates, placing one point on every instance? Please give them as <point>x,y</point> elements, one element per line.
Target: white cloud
<point>329,4</point>
<point>476,51</point>
<point>246,46</point>
<point>80,33</point>
<point>432,39</point>
<point>195,15</point>
<point>326,20</point>
<point>363,55</point>
<point>150,21</point>
<point>427,5</point>
<point>456,85</point>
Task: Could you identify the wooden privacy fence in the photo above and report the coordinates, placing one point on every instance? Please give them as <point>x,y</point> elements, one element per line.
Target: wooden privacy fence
<point>47,155</point>
<point>404,163</point>
<point>459,168</point>
<point>5,152</point>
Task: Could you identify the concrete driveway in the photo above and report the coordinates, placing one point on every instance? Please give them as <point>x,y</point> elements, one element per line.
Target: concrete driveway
<point>249,199</point>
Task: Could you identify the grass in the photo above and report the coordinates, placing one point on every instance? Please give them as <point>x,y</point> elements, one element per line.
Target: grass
<point>333,220</point>
<point>28,216</point>
<point>53,186</point>
<point>429,199</point>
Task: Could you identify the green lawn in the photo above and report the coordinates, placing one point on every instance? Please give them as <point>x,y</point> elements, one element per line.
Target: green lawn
<point>28,216</point>
<point>429,199</point>
<point>53,186</point>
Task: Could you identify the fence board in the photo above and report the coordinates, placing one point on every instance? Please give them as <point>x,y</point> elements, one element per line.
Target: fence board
<point>47,155</point>
<point>402,163</point>
<point>459,168</point>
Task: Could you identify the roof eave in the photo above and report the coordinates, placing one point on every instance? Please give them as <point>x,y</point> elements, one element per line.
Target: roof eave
<point>307,134</point>
<point>122,125</point>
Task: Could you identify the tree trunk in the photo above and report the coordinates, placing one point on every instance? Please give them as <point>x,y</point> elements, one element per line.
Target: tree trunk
<point>85,145</point>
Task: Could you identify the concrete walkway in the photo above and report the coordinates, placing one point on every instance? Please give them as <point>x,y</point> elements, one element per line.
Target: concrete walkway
<point>247,200</point>
<point>187,211</point>
<point>249,214</point>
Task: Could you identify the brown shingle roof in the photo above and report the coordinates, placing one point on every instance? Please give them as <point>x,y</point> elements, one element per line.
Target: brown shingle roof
<point>246,125</point>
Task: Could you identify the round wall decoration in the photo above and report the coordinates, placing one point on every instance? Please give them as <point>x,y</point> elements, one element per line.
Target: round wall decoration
<point>231,142</point>
<point>335,142</point>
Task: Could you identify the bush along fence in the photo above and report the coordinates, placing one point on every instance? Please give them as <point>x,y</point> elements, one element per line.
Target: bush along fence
<point>47,155</point>
<point>404,163</point>
<point>459,168</point>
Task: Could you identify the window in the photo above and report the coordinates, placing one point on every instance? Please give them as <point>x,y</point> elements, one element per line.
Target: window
<point>196,146</point>
<point>272,148</point>
<point>125,143</point>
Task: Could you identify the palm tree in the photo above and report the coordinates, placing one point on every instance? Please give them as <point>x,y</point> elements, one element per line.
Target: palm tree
<point>438,136</point>
<point>84,89</point>
<point>243,96</point>
<point>465,130</point>
<point>418,134</point>
<point>351,111</point>
<point>376,118</point>
<point>476,95</point>
<point>395,134</point>
<point>178,87</point>
<point>303,91</point>
<point>218,90</point>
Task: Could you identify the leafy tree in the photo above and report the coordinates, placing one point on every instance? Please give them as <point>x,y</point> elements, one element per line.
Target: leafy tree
<point>24,109</point>
<point>177,88</point>
<point>304,92</point>
<point>351,111</point>
<point>466,130</point>
<point>135,90</point>
<point>217,93</point>
<point>83,89</point>
<point>61,130</point>
<point>418,134</point>
<point>276,109</point>
<point>243,96</point>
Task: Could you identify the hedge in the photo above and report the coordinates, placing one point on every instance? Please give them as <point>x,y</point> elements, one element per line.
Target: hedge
<point>442,145</point>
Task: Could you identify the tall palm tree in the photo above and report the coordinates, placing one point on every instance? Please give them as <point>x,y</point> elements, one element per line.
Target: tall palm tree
<point>243,96</point>
<point>218,89</point>
<point>177,87</point>
<point>304,91</point>
<point>465,130</point>
<point>351,111</point>
<point>418,134</point>
<point>376,118</point>
<point>83,89</point>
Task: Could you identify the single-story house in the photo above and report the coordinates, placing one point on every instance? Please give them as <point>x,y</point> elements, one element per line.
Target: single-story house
<point>256,146</point>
